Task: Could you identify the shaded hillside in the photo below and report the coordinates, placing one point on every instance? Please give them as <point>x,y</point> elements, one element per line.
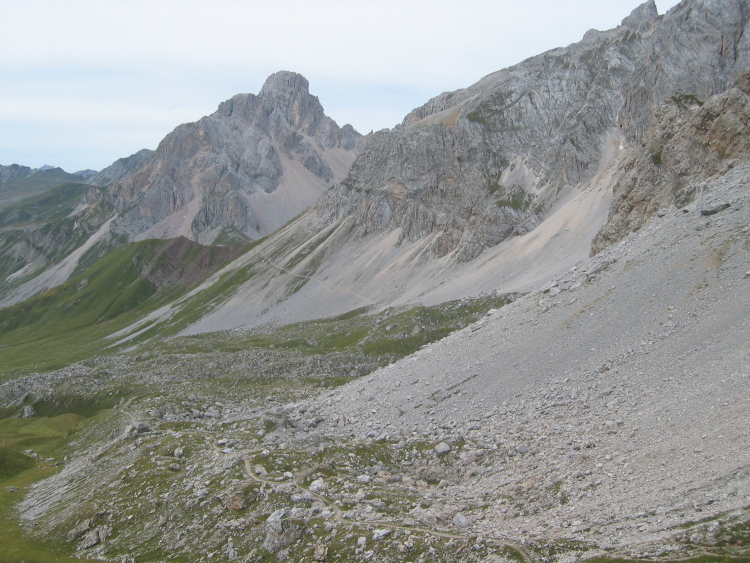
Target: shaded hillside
<point>73,318</point>
<point>52,205</point>
<point>19,182</point>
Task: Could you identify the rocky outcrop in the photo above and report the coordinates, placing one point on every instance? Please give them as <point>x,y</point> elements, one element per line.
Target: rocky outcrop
<point>119,168</point>
<point>476,166</point>
<point>241,172</point>
<point>700,47</point>
<point>688,141</point>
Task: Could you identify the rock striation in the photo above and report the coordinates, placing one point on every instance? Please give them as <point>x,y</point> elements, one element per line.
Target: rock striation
<point>479,165</point>
<point>241,172</point>
<point>119,168</point>
<point>689,141</point>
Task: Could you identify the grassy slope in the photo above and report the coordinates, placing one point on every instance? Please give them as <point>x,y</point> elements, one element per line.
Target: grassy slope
<point>69,322</point>
<point>40,227</point>
<point>47,437</point>
<point>51,205</point>
<point>34,184</point>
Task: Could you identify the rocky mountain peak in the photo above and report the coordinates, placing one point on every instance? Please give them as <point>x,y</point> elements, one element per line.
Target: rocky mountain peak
<point>285,81</point>
<point>241,172</point>
<point>642,17</point>
<point>289,93</point>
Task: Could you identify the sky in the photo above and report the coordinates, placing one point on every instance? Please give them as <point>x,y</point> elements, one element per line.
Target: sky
<point>83,83</point>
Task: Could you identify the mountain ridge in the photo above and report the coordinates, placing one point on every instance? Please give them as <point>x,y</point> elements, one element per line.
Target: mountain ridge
<point>241,172</point>
<point>429,363</point>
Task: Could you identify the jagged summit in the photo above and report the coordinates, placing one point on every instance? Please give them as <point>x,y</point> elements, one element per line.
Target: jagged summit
<point>289,93</point>
<point>285,83</point>
<point>641,19</point>
<point>241,172</point>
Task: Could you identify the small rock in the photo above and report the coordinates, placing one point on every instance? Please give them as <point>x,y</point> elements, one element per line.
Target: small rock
<point>229,550</point>
<point>94,537</point>
<point>461,521</point>
<point>522,448</point>
<point>27,411</point>
<point>179,452</point>
<point>79,530</point>
<point>175,467</point>
<point>142,427</point>
<point>715,209</point>
<point>212,412</point>
<point>320,553</point>
<point>282,534</point>
<point>277,516</point>
<point>380,534</point>
<point>11,489</point>
<point>234,501</point>
<point>317,486</point>
<point>442,448</point>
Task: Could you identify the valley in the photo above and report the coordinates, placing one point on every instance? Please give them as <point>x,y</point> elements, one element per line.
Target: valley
<point>513,328</point>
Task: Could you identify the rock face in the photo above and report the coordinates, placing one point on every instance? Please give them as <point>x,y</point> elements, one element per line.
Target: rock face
<point>282,534</point>
<point>241,172</point>
<point>476,166</point>
<point>688,141</point>
<point>119,168</point>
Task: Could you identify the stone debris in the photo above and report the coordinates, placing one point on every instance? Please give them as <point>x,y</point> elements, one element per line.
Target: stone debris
<point>320,553</point>
<point>442,448</point>
<point>378,535</point>
<point>79,530</point>
<point>281,534</point>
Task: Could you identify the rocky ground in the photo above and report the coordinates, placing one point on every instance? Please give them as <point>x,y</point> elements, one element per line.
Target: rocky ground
<point>604,415</point>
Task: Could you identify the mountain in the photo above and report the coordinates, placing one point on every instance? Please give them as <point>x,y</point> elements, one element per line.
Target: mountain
<point>479,165</point>
<point>241,172</point>
<point>235,175</point>
<point>18,182</point>
<point>515,330</point>
<point>498,187</point>
<point>119,168</point>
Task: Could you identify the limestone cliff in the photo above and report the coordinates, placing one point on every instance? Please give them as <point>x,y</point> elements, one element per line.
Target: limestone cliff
<point>119,168</point>
<point>688,141</point>
<point>479,165</point>
<point>241,172</point>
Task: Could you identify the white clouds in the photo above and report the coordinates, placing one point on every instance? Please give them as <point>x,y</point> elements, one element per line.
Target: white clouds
<point>163,62</point>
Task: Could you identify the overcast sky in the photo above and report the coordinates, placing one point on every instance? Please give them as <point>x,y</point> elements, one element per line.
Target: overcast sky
<point>83,83</point>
